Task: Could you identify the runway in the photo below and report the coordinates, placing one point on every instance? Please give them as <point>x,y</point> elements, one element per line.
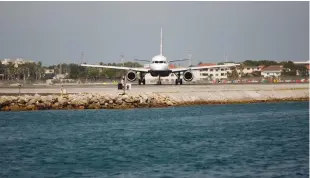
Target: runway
<point>137,89</point>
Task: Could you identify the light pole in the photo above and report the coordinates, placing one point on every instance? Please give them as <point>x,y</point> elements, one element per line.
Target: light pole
<point>124,76</point>
<point>190,57</point>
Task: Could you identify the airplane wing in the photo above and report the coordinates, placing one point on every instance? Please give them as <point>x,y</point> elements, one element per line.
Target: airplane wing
<point>202,67</point>
<point>116,67</point>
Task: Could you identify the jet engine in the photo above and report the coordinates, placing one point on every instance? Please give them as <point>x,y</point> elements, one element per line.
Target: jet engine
<point>131,76</point>
<point>188,76</point>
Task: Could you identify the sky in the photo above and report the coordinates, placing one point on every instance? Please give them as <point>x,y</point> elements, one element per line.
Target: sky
<point>56,32</point>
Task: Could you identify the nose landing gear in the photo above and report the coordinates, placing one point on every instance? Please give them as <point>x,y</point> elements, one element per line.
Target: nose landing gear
<point>159,81</point>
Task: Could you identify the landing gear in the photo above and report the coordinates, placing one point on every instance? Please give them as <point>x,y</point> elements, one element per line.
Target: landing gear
<point>178,80</point>
<point>159,81</point>
<point>142,79</point>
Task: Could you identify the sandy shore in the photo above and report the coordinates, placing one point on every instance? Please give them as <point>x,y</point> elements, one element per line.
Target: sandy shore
<point>148,96</point>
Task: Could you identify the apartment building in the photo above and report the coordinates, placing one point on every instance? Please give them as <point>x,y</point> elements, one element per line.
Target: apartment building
<point>216,73</point>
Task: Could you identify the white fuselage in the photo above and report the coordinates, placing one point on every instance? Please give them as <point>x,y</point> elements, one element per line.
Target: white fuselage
<point>159,66</point>
<point>159,63</point>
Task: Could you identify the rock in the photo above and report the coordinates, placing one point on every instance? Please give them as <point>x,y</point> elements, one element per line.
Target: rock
<point>94,106</point>
<point>6,108</point>
<point>30,107</point>
<point>62,101</point>
<point>169,103</point>
<point>16,108</point>
<point>55,105</point>
<point>31,101</point>
<point>22,101</point>
<point>4,101</point>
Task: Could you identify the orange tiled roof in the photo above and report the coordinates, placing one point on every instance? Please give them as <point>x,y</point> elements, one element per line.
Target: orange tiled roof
<point>172,66</point>
<point>261,66</point>
<point>273,68</point>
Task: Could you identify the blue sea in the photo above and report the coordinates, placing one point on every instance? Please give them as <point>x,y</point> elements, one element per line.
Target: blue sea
<point>237,140</point>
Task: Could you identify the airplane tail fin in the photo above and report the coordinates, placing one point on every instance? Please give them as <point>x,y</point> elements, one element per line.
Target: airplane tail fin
<point>161,41</point>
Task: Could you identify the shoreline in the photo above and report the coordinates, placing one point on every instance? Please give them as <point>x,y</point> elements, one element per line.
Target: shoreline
<point>84,101</point>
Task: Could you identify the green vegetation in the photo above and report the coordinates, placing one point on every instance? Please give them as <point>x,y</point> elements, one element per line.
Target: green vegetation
<point>290,69</point>
<point>35,71</point>
<point>233,75</point>
<point>258,63</point>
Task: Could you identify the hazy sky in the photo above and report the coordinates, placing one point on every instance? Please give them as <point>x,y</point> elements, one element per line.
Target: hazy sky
<point>54,32</point>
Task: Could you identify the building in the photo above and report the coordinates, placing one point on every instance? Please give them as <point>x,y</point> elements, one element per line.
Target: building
<point>49,71</point>
<point>272,71</point>
<point>306,64</point>
<point>302,62</point>
<point>216,73</point>
<point>17,61</point>
<point>251,69</point>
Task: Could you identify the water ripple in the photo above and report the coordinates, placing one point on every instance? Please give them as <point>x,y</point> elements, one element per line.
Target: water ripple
<point>252,140</point>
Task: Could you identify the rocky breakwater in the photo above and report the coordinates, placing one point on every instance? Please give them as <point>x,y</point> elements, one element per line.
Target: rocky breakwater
<point>82,101</point>
<point>110,101</point>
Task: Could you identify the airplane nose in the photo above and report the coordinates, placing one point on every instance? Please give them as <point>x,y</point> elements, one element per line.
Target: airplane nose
<point>159,67</point>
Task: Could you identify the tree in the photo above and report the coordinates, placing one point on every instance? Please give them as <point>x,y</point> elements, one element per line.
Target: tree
<point>289,65</point>
<point>39,64</point>
<point>258,63</point>
<point>2,68</point>
<point>233,75</point>
<point>291,69</point>
<point>256,73</point>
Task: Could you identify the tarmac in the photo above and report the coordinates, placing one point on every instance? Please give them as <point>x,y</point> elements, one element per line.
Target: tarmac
<point>162,89</point>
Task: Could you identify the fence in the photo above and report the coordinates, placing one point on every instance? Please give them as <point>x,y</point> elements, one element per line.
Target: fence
<point>255,80</point>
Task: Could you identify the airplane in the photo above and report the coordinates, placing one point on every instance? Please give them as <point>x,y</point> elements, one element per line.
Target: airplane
<point>159,67</point>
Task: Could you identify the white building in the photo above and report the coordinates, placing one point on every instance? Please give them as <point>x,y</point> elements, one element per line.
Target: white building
<point>49,71</point>
<point>250,69</point>
<point>216,73</point>
<point>272,71</point>
<point>17,61</point>
<point>302,62</point>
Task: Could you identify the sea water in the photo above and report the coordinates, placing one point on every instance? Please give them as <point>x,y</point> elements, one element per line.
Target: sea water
<point>237,140</point>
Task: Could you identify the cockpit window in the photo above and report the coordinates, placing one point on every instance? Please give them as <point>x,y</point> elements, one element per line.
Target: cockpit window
<point>161,61</point>
<point>156,61</point>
